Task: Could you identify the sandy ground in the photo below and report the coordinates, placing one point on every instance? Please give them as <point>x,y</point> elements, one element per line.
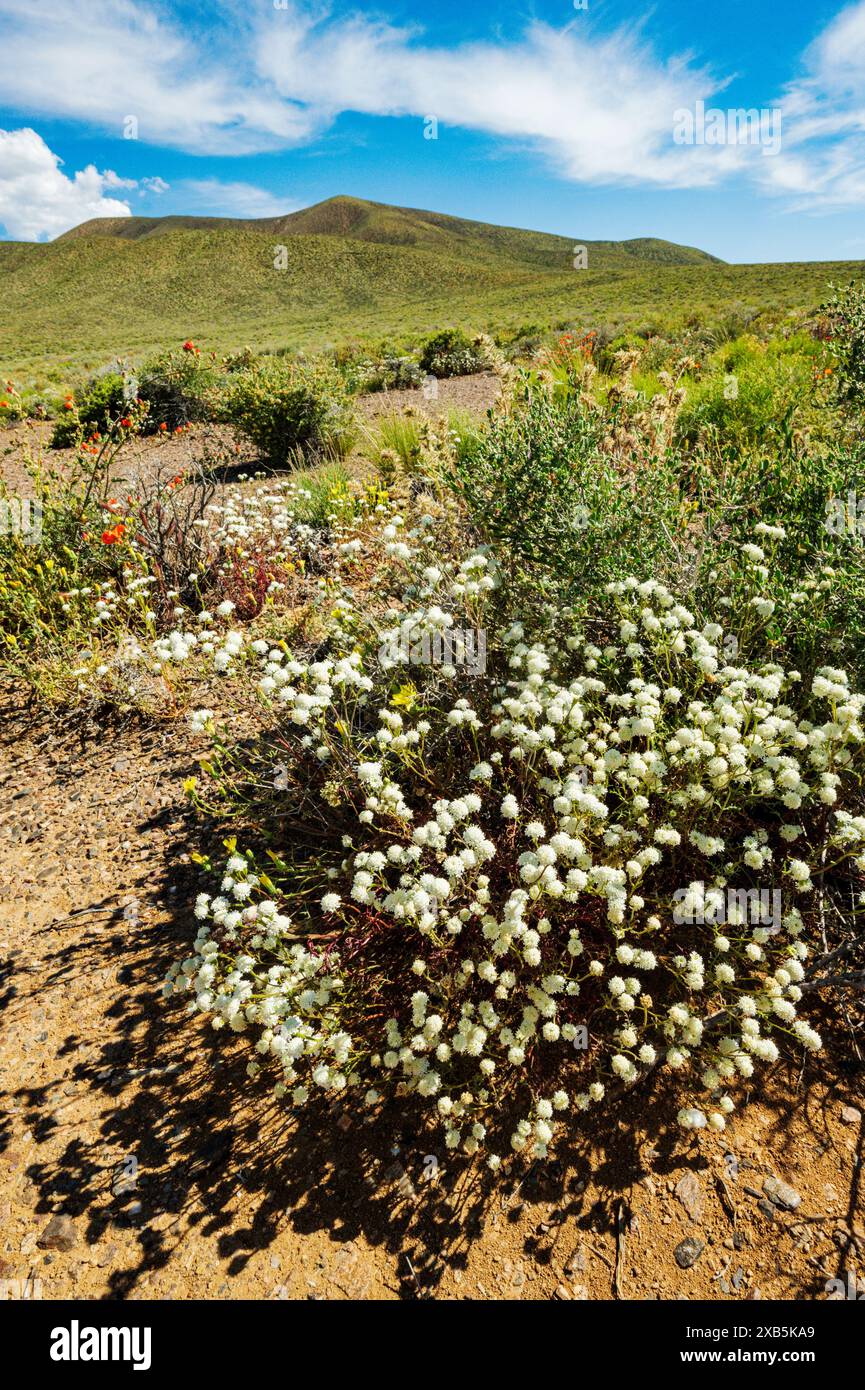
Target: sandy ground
<point>472,393</point>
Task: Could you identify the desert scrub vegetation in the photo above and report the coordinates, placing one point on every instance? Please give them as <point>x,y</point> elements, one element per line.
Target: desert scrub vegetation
<point>402,442</point>
<point>531,762</point>
<point>136,296</point>
<point>845,312</point>
<point>451,352</point>
<point>181,387</point>
<point>95,408</point>
<point>120,552</point>
<point>289,410</point>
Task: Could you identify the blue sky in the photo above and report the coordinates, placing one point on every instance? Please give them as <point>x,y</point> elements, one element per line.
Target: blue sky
<point>549,115</point>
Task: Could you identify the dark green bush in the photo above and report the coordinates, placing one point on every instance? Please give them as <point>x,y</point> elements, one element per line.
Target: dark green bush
<point>180,388</point>
<point>289,410</point>
<point>100,404</point>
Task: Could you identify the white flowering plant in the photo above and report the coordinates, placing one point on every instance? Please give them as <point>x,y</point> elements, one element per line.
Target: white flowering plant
<point>505,897</point>
<point>125,585</point>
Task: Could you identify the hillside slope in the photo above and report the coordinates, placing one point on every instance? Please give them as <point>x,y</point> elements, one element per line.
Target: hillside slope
<point>124,287</point>
<point>359,220</point>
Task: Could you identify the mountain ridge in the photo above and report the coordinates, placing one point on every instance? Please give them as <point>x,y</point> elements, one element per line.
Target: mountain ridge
<point>359,219</point>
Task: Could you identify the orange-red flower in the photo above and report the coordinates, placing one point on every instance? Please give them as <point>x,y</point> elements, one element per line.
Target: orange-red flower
<point>114,535</point>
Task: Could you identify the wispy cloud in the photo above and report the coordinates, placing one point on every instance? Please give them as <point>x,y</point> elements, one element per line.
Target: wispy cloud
<point>600,109</point>
<point>823,110</point>
<point>597,107</point>
<point>100,61</point>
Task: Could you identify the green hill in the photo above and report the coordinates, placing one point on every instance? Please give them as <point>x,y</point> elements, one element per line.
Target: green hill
<point>358,220</point>
<point>352,269</point>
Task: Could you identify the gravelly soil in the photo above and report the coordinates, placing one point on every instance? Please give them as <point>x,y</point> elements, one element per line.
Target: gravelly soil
<point>167,453</point>
<point>475,393</point>
<point>176,1177</point>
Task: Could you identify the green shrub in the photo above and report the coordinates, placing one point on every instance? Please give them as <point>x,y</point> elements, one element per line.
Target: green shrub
<point>290,410</point>
<point>538,488</point>
<point>179,387</point>
<point>98,406</point>
<point>605,354</point>
<point>523,342</point>
<point>451,353</point>
<point>393,374</point>
<point>367,375</point>
<point>566,518</point>
<point>846,311</point>
<point>812,575</point>
<point>748,396</point>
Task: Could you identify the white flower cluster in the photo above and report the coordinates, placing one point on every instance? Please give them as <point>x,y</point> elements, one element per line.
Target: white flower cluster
<point>521,851</point>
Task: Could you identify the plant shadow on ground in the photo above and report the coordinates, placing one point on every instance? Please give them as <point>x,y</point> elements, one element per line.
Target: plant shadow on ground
<point>220,1159</point>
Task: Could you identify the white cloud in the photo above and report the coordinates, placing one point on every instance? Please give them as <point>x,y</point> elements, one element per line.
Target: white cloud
<point>37,200</point>
<point>599,107</point>
<point>101,61</point>
<point>823,114</point>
